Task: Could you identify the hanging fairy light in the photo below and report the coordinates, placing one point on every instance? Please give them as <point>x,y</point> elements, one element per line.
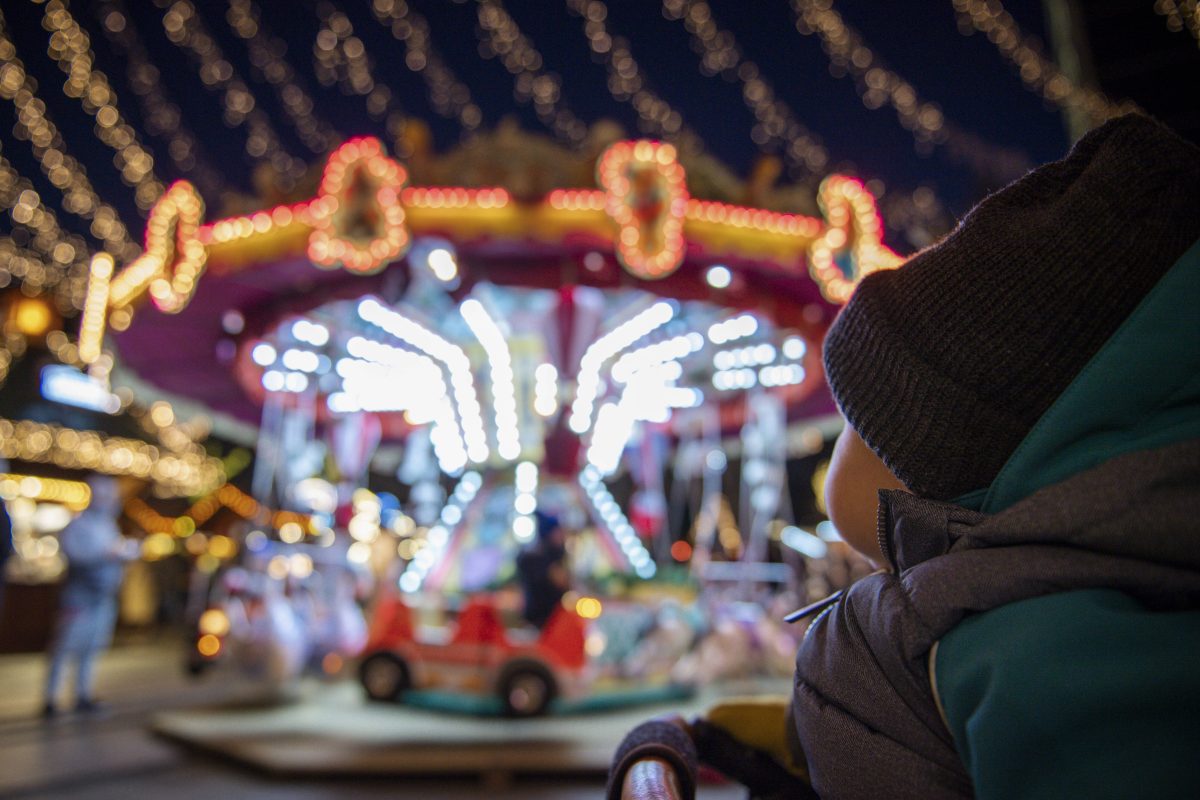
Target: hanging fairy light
<point>70,47</point>
<point>267,56</point>
<point>450,97</point>
<point>880,86</point>
<point>1180,14</point>
<point>531,82</point>
<point>62,169</point>
<point>187,30</point>
<point>849,55</point>
<point>161,117</point>
<point>626,83</point>
<point>1037,72</point>
<point>721,55</point>
<point>340,58</point>
<point>60,259</point>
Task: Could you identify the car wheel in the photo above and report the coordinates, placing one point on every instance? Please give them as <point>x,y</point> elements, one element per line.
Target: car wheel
<point>527,689</point>
<point>384,676</point>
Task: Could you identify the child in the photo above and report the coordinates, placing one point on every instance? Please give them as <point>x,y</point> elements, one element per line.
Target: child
<point>1022,457</point>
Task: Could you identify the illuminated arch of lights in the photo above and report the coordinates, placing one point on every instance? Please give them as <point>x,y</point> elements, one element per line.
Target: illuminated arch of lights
<point>837,251</point>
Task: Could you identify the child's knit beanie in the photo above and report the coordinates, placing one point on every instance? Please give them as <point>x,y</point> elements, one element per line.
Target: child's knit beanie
<point>944,365</point>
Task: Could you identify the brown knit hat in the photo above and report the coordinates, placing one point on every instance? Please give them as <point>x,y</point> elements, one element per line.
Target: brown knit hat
<point>944,365</point>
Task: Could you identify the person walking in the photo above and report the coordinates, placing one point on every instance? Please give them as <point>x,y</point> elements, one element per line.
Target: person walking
<point>96,555</point>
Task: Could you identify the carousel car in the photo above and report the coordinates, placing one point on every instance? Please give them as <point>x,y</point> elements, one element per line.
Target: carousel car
<point>525,670</point>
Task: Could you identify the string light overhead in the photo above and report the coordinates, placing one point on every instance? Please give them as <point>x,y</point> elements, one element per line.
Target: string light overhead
<point>1039,73</point>
<point>162,118</point>
<point>531,82</point>
<point>1180,14</point>
<point>775,121</point>
<point>71,49</point>
<point>450,97</point>
<point>267,55</point>
<point>850,55</point>
<point>340,59</point>
<point>189,472</point>
<point>879,86</point>
<point>62,169</point>
<point>57,258</point>
<point>625,81</point>
<point>187,30</point>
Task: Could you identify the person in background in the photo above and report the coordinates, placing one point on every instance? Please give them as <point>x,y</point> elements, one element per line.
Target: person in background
<point>96,555</point>
<point>542,570</point>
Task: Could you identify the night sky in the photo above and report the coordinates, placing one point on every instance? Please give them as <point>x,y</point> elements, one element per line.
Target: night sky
<point>976,88</point>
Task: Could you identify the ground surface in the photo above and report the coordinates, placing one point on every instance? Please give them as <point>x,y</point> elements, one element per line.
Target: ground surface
<point>115,754</point>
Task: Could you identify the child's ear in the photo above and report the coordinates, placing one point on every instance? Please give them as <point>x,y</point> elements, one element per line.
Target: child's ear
<point>856,474</point>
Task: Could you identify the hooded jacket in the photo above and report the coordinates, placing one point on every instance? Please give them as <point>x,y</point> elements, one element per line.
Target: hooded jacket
<point>1059,622</point>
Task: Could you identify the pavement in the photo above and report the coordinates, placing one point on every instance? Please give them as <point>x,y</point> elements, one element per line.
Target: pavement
<point>115,753</point>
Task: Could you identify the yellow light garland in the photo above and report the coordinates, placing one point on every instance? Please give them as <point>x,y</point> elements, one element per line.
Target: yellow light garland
<point>1180,14</point>
<point>61,255</point>
<point>75,495</point>
<point>189,473</point>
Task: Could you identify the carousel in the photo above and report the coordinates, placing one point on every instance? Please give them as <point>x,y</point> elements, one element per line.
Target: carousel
<point>438,368</point>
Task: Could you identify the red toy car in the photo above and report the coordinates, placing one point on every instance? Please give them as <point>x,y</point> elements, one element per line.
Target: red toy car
<point>477,655</point>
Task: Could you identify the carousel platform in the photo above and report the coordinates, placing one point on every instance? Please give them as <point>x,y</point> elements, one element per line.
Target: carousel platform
<point>334,731</point>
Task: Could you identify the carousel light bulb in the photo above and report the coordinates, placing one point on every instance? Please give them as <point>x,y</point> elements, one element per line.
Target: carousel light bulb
<point>263,354</point>
<point>523,529</point>
<point>794,348</point>
<point>718,276</point>
<point>273,380</point>
<point>310,333</point>
<point>301,360</point>
<point>525,504</point>
<point>442,264</point>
